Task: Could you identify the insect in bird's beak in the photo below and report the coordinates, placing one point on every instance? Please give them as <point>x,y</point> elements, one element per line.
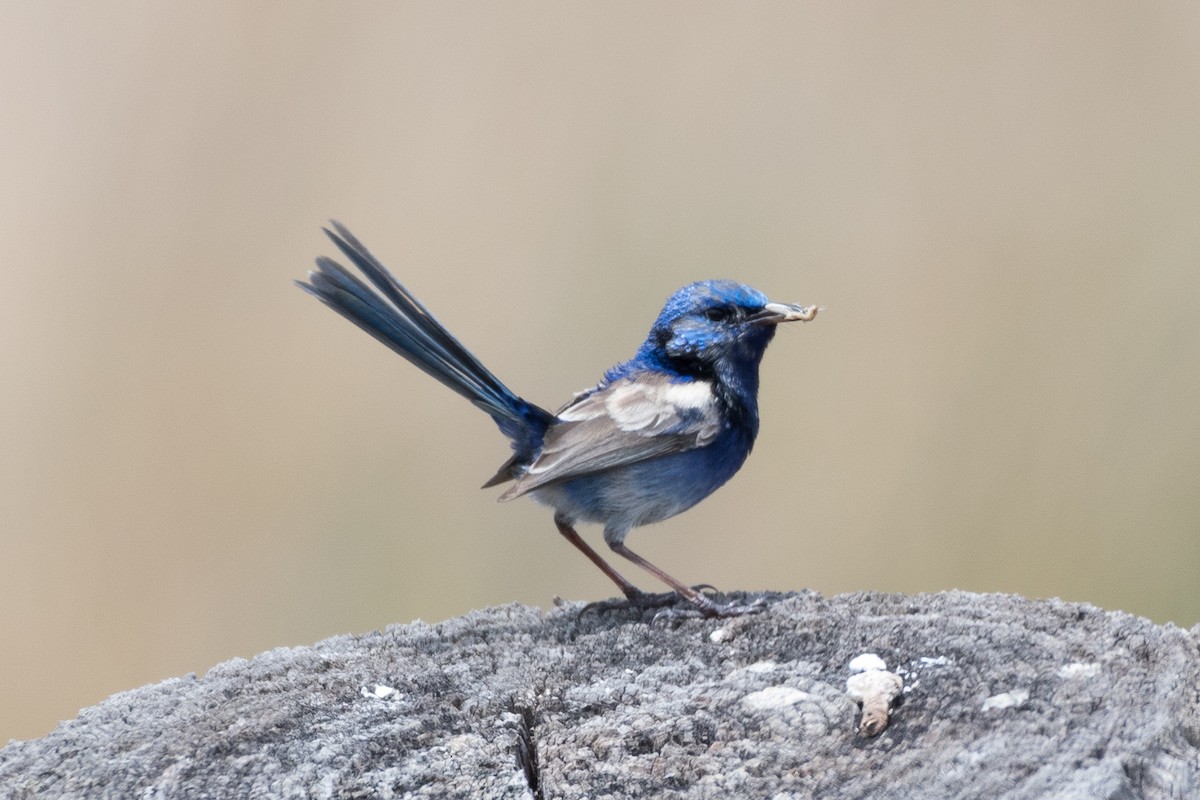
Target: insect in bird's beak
<point>775,313</point>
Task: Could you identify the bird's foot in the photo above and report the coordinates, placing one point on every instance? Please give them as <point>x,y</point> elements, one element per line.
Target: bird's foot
<point>708,609</point>
<point>637,601</point>
<point>673,606</point>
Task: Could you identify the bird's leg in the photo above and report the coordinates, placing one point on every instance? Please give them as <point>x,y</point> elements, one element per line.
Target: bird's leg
<point>703,604</point>
<point>634,597</point>
<point>569,533</point>
<point>706,606</point>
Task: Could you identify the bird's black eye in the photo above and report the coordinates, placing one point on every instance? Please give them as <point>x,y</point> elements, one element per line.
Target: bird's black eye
<point>718,313</point>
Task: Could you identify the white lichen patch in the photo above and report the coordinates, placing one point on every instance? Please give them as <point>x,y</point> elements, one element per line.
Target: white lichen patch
<point>866,662</point>
<point>773,698</point>
<point>1012,699</point>
<point>1077,670</point>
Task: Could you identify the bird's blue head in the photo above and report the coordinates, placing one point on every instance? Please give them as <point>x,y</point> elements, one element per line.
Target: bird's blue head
<point>717,328</point>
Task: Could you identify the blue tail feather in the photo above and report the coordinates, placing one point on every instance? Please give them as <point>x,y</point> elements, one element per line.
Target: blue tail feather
<point>397,319</point>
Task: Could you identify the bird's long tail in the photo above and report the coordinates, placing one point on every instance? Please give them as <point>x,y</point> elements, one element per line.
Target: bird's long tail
<point>396,318</point>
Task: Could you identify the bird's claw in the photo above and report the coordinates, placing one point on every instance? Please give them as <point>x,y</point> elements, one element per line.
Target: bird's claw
<point>642,601</point>
<point>674,607</point>
<point>709,610</point>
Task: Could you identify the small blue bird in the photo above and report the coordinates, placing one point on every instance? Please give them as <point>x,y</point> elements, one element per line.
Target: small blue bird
<point>657,435</point>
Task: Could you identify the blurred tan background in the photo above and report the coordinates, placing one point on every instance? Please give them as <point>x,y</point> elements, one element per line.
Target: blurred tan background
<point>1000,209</point>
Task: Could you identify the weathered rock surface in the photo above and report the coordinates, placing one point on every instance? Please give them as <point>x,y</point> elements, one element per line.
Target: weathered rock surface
<point>1003,698</point>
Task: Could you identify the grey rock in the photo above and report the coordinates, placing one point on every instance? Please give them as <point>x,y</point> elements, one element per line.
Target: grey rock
<point>513,703</point>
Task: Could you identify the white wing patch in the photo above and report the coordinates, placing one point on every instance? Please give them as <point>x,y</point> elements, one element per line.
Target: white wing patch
<point>625,422</point>
<point>646,407</point>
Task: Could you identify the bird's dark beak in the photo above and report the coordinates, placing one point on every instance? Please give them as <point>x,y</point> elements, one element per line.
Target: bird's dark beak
<point>775,313</point>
